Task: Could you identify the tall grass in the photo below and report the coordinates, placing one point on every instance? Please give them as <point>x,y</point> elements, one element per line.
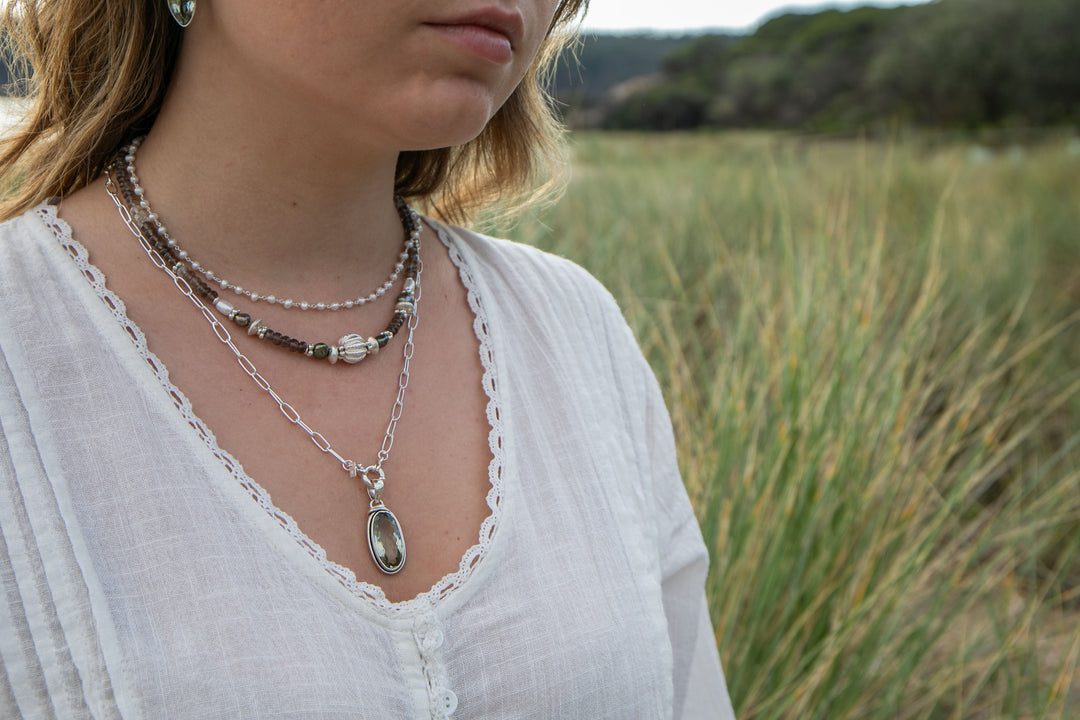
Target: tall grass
<point>872,357</point>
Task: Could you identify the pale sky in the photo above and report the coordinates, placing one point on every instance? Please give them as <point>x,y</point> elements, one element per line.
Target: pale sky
<point>670,15</point>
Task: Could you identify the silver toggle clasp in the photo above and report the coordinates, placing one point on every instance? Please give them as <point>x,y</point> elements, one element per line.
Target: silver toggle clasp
<point>372,475</point>
<point>375,479</point>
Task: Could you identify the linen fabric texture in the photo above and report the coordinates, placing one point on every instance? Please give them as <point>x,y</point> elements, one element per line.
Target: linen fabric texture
<point>143,574</point>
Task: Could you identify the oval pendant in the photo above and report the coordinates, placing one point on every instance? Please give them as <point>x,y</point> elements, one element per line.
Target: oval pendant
<point>386,540</point>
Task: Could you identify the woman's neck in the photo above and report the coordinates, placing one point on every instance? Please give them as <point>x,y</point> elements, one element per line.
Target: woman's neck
<point>261,206</point>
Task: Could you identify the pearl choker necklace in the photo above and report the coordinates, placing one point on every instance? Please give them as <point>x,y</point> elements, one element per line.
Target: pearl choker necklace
<point>351,348</point>
<point>211,276</point>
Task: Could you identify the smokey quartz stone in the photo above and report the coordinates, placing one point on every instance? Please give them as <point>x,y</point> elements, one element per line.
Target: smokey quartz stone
<point>386,541</point>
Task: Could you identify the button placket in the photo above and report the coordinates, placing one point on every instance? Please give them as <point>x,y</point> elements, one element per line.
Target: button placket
<point>429,638</point>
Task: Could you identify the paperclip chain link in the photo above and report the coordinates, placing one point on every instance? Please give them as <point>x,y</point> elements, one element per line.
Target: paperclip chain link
<point>290,413</point>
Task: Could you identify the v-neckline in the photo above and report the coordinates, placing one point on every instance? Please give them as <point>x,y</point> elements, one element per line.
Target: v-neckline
<point>368,594</point>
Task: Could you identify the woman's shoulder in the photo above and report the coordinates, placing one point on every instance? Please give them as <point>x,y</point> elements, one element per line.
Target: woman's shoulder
<point>36,232</point>
<point>30,221</point>
<point>524,272</point>
<point>30,241</point>
<point>545,300</point>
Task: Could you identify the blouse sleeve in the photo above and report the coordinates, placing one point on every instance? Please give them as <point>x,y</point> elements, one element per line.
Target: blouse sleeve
<point>697,677</point>
<point>700,690</point>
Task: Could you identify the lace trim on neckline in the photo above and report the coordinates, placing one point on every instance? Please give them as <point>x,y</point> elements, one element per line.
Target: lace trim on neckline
<point>372,594</point>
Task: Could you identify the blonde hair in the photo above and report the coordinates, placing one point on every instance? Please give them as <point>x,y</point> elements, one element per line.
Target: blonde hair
<point>95,74</point>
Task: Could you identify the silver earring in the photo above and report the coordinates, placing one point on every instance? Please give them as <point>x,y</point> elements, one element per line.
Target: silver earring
<point>182,11</point>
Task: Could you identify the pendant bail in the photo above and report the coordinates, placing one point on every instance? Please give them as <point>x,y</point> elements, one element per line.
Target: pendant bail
<point>375,479</point>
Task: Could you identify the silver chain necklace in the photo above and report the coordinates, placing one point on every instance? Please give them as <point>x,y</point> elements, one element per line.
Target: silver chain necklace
<point>287,303</point>
<point>386,539</point>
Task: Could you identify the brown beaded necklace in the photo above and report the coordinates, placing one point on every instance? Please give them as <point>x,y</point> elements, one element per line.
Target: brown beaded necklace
<point>385,536</point>
<point>351,348</point>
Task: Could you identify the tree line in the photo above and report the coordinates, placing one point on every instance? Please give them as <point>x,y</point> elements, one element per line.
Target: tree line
<point>950,63</point>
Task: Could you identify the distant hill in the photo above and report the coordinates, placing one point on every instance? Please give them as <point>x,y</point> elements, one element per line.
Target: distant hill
<point>950,63</point>
<point>604,61</point>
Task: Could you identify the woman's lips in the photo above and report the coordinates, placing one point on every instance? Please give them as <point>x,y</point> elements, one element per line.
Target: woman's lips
<point>483,42</point>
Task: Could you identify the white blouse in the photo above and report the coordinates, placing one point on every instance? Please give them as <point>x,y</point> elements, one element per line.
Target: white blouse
<point>143,574</point>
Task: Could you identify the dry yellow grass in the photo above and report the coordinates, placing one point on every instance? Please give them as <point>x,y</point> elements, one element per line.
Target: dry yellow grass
<point>872,359</point>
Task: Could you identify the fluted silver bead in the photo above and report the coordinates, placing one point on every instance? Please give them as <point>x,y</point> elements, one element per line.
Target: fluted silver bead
<point>352,348</point>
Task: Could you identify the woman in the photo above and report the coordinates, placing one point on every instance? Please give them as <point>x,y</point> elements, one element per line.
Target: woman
<point>441,481</point>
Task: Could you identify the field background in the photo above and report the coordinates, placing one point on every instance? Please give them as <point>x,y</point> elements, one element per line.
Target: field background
<point>871,353</point>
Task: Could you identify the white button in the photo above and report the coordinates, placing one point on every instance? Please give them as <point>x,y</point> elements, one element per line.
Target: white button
<point>447,702</point>
<point>423,622</point>
<point>433,639</point>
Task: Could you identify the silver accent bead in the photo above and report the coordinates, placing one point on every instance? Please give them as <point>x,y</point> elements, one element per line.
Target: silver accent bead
<point>333,356</point>
<point>254,327</point>
<point>224,308</point>
<point>410,285</point>
<point>372,345</point>
<point>353,348</point>
<point>405,307</point>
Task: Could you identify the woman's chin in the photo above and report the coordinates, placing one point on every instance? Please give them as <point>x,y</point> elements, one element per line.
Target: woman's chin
<point>452,116</point>
<point>449,134</point>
